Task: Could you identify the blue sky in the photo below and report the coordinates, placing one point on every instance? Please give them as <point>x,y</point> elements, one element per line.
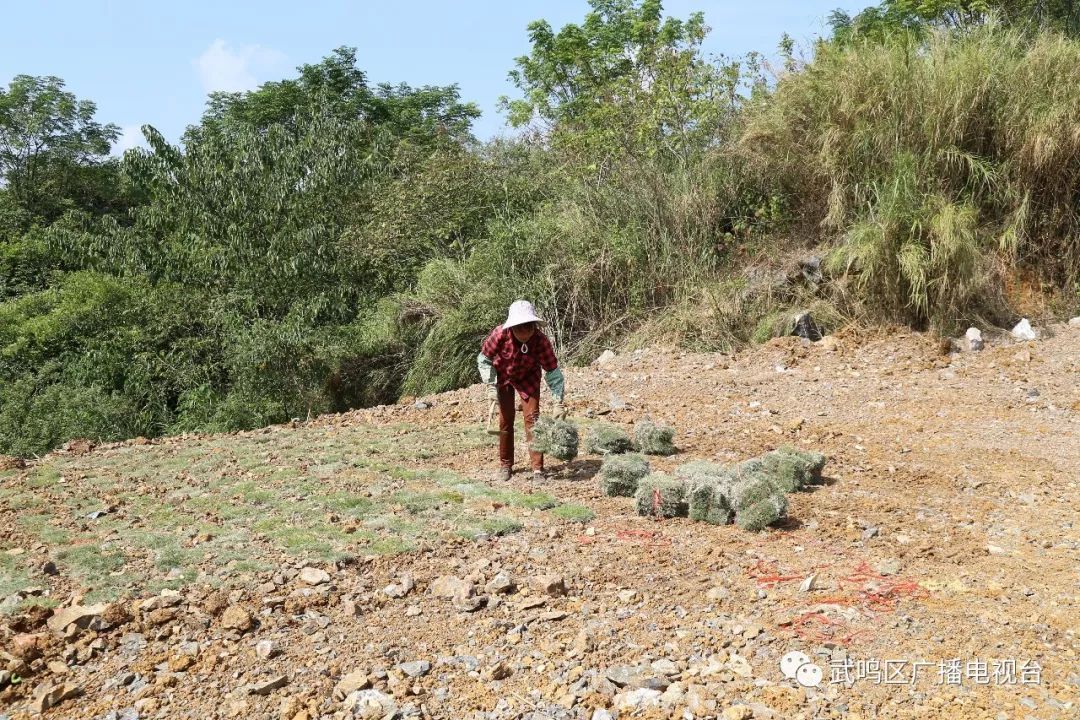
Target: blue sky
<point>154,62</point>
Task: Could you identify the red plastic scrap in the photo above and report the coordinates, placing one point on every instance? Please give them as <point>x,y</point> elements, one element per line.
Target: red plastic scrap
<point>768,573</point>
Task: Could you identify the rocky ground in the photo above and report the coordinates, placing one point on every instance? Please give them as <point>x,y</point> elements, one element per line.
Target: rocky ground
<point>362,565</point>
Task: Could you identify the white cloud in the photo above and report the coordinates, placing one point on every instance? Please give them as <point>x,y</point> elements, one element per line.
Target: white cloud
<point>130,137</point>
<point>230,69</point>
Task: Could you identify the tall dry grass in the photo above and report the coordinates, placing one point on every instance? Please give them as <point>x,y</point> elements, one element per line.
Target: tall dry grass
<point>933,168</point>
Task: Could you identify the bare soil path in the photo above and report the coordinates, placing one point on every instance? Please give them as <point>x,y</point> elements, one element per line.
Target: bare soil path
<point>945,545</point>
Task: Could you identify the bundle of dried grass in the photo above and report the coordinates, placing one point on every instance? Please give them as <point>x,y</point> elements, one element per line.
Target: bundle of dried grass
<point>660,495</point>
<point>696,470</point>
<point>708,502</point>
<point>756,498</point>
<point>758,516</point>
<point>653,439</point>
<point>791,469</point>
<point>620,474</point>
<point>608,439</point>
<point>557,438</point>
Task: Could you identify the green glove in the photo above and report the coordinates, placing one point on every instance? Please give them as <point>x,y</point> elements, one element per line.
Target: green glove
<point>556,383</point>
<point>486,368</point>
<point>558,410</point>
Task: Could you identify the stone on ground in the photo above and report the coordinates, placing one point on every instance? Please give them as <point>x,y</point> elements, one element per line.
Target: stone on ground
<point>1024,331</point>
<point>80,615</point>
<point>314,576</point>
<point>237,618</point>
<point>973,339</point>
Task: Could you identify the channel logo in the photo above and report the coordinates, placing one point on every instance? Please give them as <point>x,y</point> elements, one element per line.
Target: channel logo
<point>797,666</point>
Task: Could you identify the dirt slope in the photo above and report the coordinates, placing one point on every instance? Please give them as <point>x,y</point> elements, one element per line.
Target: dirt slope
<point>945,542</point>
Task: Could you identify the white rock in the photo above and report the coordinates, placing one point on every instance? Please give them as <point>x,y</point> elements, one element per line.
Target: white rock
<point>1024,331</point>
<point>974,339</point>
<point>639,698</point>
<point>370,704</point>
<point>1075,322</point>
<point>314,576</point>
<point>740,666</point>
<point>605,357</point>
<point>601,714</point>
<point>673,695</point>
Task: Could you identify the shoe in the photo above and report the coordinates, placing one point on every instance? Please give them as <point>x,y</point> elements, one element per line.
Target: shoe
<point>502,475</point>
<point>539,475</point>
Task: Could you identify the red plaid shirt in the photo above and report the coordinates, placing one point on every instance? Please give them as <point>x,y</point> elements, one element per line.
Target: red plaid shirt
<point>519,364</point>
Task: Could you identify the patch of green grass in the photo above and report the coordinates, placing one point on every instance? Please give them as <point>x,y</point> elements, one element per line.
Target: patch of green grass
<point>496,526</point>
<point>355,506</point>
<point>254,493</point>
<point>396,525</point>
<point>532,501</point>
<point>416,501</point>
<point>572,512</point>
<point>22,500</point>
<point>388,546</point>
<point>44,476</point>
<point>36,601</point>
<point>13,577</point>
<point>40,524</point>
<point>284,474</point>
<point>90,561</point>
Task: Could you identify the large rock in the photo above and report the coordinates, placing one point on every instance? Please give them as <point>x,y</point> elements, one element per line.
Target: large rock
<point>314,576</point>
<point>636,676</point>
<point>347,685</point>
<point>552,585</point>
<point>402,588</point>
<point>265,687</point>
<point>973,339</point>
<point>49,696</point>
<point>1075,322</point>
<point>28,647</point>
<point>81,615</point>
<point>605,357</point>
<point>805,327</point>
<point>370,704</point>
<point>449,586</point>
<point>237,618</point>
<point>501,584</point>
<point>416,668</point>
<point>639,698</point>
<point>1024,331</point>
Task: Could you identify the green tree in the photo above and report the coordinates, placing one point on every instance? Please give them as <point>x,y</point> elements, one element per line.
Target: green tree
<point>52,151</point>
<point>625,81</point>
<point>916,16</point>
<point>338,87</point>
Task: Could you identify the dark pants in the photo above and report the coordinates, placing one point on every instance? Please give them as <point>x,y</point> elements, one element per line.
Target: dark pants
<point>508,405</point>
